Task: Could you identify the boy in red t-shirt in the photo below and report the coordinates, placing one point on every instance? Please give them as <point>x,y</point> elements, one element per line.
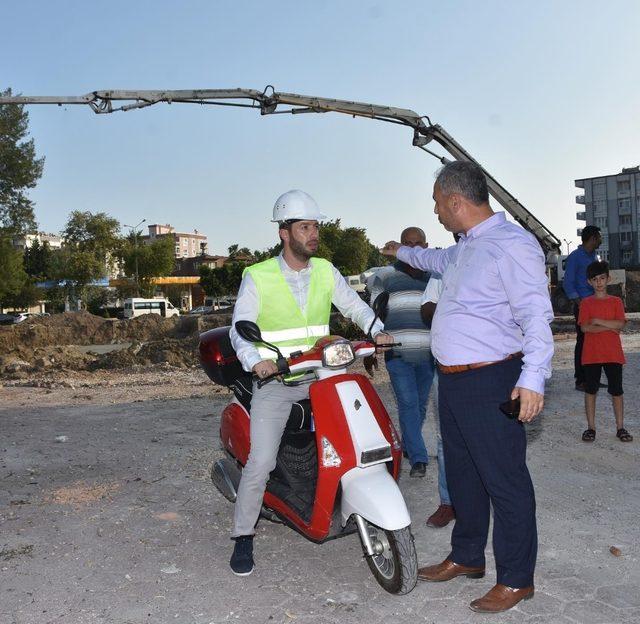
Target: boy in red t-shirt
<point>601,318</point>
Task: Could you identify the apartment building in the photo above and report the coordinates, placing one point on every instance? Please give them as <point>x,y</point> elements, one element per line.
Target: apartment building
<point>612,203</point>
<point>25,241</point>
<point>187,245</point>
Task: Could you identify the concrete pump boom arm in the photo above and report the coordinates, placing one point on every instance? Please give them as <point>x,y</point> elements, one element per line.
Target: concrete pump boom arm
<point>268,101</point>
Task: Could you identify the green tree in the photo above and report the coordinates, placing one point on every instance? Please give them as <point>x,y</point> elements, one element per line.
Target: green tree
<point>156,259</point>
<point>14,277</point>
<point>38,260</point>
<point>221,281</point>
<point>375,258</point>
<point>352,252</point>
<point>91,248</point>
<point>272,252</point>
<point>75,269</point>
<point>97,234</point>
<point>210,281</point>
<point>19,169</point>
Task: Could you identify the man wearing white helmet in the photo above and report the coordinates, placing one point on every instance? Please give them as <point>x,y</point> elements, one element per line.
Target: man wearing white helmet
<point>288,297</point>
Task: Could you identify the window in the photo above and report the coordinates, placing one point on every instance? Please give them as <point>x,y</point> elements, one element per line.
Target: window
<point>601,222</point>
<point>599,189</point>
<point>600,206</point>
<point>624,186</point>
<point>624,203</point>
<point>604,254</point>
<point>625,219</point>
<point>627,257</point>
<point>626,237</point>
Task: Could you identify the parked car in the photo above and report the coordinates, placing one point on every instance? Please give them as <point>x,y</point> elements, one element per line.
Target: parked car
<point>22,316</point>
<point>201,310</point>
<point>7,319</point>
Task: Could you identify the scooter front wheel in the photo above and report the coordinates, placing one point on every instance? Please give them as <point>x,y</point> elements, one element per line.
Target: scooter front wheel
<point>394,563</point>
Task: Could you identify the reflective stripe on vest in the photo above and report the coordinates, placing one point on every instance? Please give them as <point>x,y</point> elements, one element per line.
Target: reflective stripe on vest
<point>280,320</point>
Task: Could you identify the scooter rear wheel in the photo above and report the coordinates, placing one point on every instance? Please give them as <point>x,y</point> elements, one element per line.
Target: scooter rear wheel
<point>395,566</point>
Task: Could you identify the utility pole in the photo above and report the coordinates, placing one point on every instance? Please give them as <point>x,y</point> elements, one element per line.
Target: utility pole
<point>134,231</point>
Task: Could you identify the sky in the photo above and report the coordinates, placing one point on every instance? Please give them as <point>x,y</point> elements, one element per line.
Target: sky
<point>539,93</point>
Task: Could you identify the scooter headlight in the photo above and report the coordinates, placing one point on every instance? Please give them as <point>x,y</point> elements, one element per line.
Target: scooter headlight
<point>338,354</point>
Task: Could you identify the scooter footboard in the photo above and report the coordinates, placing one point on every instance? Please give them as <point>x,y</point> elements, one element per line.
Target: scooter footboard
<point>373,494</point>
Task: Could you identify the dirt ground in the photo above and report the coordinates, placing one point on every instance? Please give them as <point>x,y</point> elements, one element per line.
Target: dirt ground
<point>107,513</point>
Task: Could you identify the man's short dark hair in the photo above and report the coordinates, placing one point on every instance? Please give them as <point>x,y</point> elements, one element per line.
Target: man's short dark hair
<point>597,268</point>
<point>466,179</point>
<point>589,232</point>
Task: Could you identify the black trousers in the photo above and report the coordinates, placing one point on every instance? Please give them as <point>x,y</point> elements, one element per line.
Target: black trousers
<point>485,460</point>
<point>577,352</point>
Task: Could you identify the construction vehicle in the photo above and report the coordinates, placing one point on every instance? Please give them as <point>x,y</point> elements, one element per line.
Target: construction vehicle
<point>271,102</point>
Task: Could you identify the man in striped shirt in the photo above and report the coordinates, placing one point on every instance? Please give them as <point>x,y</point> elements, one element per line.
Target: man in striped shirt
<point>410,366</point>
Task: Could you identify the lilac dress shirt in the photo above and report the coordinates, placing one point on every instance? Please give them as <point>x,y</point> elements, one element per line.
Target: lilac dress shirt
<point>495,299</point>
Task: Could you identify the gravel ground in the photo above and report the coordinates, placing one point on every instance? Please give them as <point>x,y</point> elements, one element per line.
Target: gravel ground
<point>107,514</point>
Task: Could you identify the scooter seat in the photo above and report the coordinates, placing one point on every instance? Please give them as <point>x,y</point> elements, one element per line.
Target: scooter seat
<point>300,418</point>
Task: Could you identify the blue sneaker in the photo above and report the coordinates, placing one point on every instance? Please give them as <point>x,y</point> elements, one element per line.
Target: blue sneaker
<point>242,557</point>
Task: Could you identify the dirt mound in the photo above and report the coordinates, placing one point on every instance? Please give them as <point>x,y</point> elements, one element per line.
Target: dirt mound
<point>83,328</point>
<point>170,351</point>
<point>49,343</point>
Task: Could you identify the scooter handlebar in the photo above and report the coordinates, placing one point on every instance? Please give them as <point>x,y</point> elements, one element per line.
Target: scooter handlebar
<point>382,347</point>
<point>283,368</point>
<point>265,380</point>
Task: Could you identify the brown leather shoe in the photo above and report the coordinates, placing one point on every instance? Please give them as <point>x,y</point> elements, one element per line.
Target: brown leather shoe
<point>501,598</point>
<point>441,517</point>
<point>448,570</point>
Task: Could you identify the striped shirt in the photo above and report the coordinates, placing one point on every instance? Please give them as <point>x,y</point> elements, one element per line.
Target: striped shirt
<point>403,320</point>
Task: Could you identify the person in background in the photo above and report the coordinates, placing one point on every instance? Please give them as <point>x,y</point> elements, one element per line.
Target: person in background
<point>601,319</point>
<point>445,512</point>
<point>577,287</point>
<point>410,366</point>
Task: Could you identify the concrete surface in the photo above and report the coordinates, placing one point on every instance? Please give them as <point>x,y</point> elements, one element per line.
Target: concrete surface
<point>118,522</point>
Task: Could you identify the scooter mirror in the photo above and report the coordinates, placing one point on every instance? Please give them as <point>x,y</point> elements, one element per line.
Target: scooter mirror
<point>380,304</point>
<point>249,331</point>
<point>379,308</point>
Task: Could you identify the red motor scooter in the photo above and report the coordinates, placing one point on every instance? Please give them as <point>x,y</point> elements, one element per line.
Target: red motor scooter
<point>339,458</point>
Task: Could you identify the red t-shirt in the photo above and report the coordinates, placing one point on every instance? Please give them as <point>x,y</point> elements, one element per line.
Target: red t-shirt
<point>602,347</point>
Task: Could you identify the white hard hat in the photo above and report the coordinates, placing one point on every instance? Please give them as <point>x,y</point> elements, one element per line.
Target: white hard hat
<point>296,205</point>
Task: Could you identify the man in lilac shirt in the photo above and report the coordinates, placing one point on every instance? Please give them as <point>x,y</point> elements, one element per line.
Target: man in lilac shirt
<point>491,338</point>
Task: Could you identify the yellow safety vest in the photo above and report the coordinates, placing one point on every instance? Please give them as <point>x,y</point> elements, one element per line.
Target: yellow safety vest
<point>281,321</point>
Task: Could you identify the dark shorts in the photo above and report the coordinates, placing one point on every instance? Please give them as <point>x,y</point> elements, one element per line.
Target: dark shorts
<point>613,372</point>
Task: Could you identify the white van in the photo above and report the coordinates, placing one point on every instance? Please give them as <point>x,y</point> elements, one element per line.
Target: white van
<point>137,307</point>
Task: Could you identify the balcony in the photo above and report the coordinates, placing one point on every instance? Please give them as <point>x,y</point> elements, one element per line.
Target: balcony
<point>581,216</point>
<point>579,231</point>
<point>579,199</point>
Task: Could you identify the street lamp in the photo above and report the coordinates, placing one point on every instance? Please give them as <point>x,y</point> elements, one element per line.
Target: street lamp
<point>568,245</point>
<point>134,231</point>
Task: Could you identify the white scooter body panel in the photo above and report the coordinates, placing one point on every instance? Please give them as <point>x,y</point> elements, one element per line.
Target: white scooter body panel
<point>372,493</point>
<point>363,426</point>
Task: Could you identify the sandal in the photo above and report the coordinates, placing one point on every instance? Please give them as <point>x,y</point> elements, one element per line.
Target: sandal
<point>623,435</point>
<point>589,435</point>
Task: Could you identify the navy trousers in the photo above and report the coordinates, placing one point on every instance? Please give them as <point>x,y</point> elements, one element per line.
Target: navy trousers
<point>485,458</point>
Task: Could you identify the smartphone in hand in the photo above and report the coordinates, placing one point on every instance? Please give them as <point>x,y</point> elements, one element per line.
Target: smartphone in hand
<point>510,408</point>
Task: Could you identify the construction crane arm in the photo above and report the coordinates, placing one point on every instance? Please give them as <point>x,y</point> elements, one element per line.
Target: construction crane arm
<point>271,102</point>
